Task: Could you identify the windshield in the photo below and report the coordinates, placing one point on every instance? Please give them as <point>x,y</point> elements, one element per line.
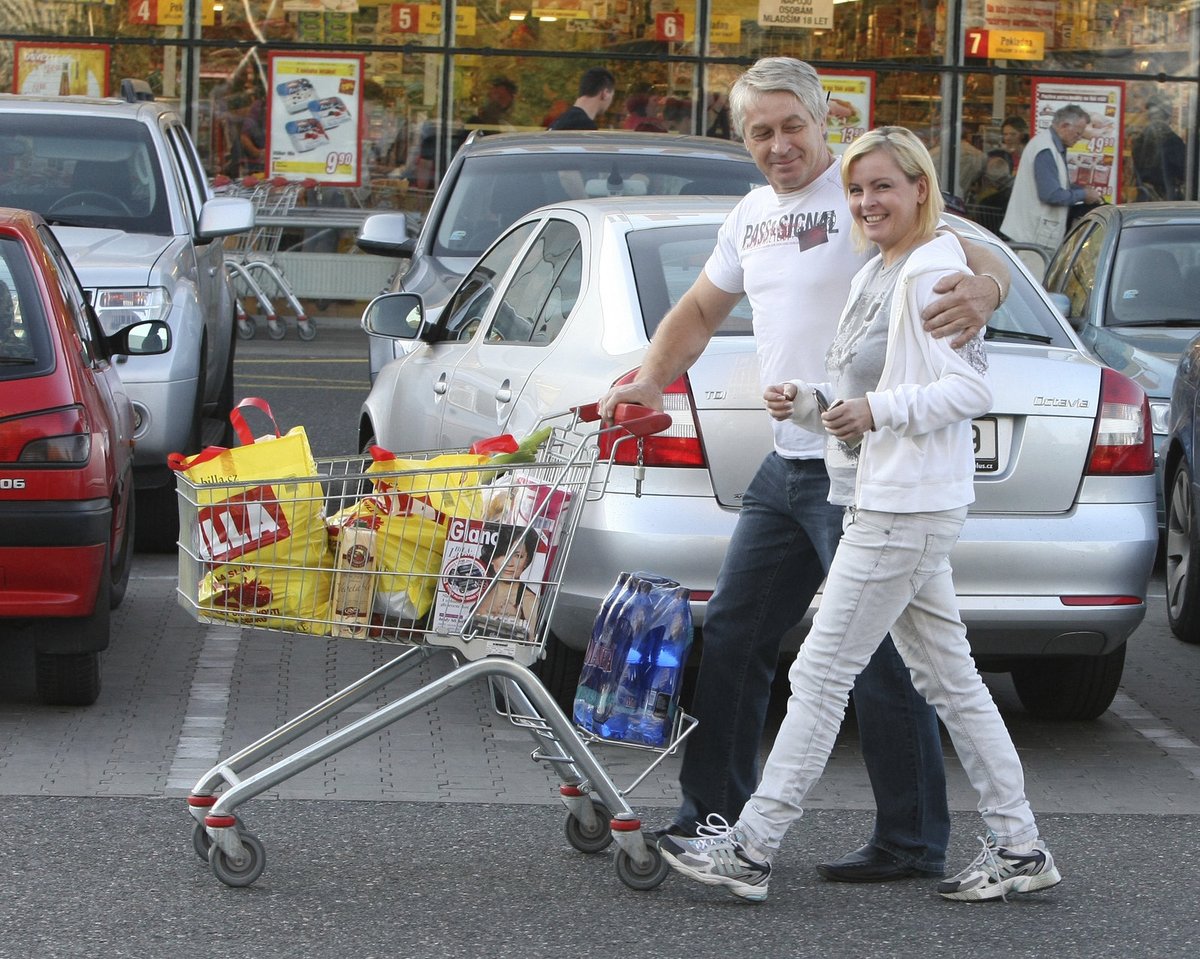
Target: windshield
<point>493,192</point>
<point>1156,276</point>
<point>83,171</point>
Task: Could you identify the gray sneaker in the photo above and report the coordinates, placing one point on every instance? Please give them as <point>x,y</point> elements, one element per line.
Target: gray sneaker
<point>718,857</point>
<point>997,871</point>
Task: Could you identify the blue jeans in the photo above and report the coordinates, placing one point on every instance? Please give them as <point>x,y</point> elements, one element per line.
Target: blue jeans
<point>891,572</point>
<point>784,542</point>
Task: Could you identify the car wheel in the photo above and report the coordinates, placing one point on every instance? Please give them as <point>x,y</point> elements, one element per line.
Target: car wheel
<point>1183,557</point>
<point>559,671</point>
<point>1069,687</point>
<point>122,563</point>
<point>73,678</point>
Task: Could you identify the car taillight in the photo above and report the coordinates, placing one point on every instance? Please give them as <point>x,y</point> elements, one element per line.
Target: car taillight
<point>1122,443</point>
<point>677,446</point>
<point>52,437</point>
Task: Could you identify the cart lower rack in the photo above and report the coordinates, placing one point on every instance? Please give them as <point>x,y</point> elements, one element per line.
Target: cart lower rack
<point>444,554</point>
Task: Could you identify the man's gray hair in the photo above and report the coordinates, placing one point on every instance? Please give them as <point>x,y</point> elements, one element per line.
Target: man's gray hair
<point>775,75</point>
<point>1073,112</point>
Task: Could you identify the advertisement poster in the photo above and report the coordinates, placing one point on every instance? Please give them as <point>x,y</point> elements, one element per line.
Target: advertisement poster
<point>1096,159</point>
<point>315,117</point>
<point>66,69</point>
<point>851,107</point>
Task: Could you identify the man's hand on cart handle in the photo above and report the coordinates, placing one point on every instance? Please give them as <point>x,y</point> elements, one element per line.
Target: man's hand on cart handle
<point>634,418</point>
<point>640,393</point>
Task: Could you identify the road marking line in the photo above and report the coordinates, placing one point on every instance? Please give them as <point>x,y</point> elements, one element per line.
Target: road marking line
<point>1171,741</point>
<point>203,732</point>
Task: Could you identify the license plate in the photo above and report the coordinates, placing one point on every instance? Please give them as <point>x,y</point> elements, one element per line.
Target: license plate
<point>984,432</point>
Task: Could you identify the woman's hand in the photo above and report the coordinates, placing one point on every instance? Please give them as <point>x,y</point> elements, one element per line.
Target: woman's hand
<point>848,420</point>
<point>781,400</point>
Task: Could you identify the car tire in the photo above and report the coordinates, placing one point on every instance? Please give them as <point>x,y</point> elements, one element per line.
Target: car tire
<point>559,671</point>
<point>1182,557</point>
<point>72,678</point>
<point>122,562</point>
<point>1069,687</point>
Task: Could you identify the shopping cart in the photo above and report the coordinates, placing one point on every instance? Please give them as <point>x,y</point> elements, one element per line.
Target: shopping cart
<point>250,259</point>
<point>538,503</point>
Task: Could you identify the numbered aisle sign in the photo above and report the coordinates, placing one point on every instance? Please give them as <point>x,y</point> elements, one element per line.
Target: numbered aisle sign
<point>668,27</point>
<point>315,117</point>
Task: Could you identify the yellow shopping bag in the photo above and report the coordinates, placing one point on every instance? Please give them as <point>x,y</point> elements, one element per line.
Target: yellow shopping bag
<point>260,530</point>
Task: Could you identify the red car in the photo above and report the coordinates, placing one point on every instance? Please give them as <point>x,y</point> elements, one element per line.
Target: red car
<point>66,462</point>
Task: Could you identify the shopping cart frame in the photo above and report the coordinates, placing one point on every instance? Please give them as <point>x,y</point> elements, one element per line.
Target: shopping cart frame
<point>598,811</point>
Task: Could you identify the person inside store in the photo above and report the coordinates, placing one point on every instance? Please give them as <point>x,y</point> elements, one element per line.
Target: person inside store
<point>253,135</point>
<point>596,89</point>
<point>1159,155</point>
<point>901,462</point>
<point>637,107</point>
<point>988,196</point>
<point>784,244</point>
<point>492,115</point>
<point>716,116</point>
<point>1014,134</point>
<point>1042,192</point>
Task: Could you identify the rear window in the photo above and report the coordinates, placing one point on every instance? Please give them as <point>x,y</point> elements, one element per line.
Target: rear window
<point>83,171</point>
<point>25,348</point>
<point>493,192</point>
<point>666,262</point>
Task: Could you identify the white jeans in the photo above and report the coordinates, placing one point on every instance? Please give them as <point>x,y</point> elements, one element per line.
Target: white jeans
<point>891,572</point>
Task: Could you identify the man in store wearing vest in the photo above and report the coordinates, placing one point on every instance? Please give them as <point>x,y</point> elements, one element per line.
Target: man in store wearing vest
<point>1042,192</point>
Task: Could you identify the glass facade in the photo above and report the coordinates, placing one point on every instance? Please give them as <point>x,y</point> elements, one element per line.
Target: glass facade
<point>421,75</point>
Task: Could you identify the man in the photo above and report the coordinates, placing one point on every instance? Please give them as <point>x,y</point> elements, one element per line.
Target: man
<point>596,88</point>
<point>1159,155</point>
<point>1042,192</point>
<point>787,247</point>
<point>492,115</point>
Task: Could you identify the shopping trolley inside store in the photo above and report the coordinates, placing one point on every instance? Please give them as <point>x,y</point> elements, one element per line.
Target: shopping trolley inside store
<point>458,555</point>
<point>250,257</point>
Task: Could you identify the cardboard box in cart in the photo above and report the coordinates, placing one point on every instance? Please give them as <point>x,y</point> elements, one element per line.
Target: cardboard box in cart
<point>524,527</point>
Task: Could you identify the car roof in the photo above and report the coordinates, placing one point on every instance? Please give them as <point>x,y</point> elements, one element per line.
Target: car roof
<point>603,141</point>
<point>641,210</point>
<point>1148,214</point>
<point>90,106</point>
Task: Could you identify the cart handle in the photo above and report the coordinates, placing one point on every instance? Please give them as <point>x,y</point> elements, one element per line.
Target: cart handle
<point>634,419</point>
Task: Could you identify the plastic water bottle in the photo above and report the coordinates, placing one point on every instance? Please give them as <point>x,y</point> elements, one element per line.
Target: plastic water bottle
<point>663,676</point>
<point>598,659</point>
<point>629,633</point>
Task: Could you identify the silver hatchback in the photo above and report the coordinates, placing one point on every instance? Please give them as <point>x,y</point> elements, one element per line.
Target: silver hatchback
<point>1053,562</point>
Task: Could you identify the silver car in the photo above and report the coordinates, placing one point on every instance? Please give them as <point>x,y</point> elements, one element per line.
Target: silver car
<point>120,183</point>
<point>493,180</point>
<point>1053,562</point>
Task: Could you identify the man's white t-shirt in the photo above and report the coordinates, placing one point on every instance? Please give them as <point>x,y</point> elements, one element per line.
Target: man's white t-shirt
<point>792,257</point>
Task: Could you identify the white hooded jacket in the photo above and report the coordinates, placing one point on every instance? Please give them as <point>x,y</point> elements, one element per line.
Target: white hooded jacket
<point>921,455</point>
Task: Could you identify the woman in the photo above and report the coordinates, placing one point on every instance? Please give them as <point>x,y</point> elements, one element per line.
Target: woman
<point>1014,133</point>
<point>901,459</point>
<point>507,596</point>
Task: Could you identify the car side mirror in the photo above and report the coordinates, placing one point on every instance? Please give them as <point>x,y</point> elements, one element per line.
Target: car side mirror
<point>397,315</point>
<point>385,234</point>
<point>1062,303</point>
<point>148,338</point>
<point>224,216</point>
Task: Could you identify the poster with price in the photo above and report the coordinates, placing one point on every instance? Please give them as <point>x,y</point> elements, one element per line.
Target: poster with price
<point>315,117</point>
<point>1095,159</point>
<point>851,107</point>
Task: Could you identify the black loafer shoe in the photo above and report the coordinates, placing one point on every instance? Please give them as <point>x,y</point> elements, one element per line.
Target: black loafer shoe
<point>868,864</point>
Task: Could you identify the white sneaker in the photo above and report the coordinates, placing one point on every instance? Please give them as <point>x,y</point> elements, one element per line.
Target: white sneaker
<point>997,871</point>
<point>717,857</point>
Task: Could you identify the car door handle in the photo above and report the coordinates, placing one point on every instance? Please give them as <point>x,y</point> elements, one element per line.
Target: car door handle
<point>441,386</point>
<point>504,395</point>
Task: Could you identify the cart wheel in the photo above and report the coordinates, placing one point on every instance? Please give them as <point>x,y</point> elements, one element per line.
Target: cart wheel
<point>242,870</point>
<point>644,877</point>
<point>594,839</point>
<point>307,329</point>
<point>202,841</point>
<point>246,328</point>
<point>276,329</point>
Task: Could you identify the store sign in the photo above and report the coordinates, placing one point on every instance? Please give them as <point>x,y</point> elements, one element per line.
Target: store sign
<point>668,27</point>
<point>851,98</point>
<point>1006,44</point>
<point>167,13</point>
<point>315,118</point>
<point>725,28</point>
<point>61,69</point>
<point>1095,159</point>
<point>806,14</point>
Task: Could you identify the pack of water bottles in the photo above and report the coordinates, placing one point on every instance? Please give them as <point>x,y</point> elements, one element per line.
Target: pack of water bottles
<point>633,671</point>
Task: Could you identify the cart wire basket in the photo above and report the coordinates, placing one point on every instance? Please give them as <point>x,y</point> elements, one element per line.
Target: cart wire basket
<point>437,552</point>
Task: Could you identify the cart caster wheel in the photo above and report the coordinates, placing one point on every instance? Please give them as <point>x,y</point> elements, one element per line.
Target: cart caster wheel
<point>241,870</point>
<point>246,329</point>
<point>642,878</point>
<point>590,840</point>
<point>276,329</point>
<point>202,841</point>
<point>307,329</point>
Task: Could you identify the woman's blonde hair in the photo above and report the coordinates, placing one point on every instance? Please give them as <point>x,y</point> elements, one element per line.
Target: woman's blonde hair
<point>914,161</point>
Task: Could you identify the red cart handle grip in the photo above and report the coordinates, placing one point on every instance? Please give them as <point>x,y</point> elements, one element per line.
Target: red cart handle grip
<point>633,418</point>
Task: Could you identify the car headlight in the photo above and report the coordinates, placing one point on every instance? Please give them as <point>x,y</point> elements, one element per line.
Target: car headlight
<point>117,309</point>
<point>1160,416</point>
